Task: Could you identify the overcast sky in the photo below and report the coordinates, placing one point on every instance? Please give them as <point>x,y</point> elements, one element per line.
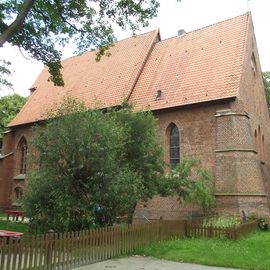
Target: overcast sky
<point>188,15</point>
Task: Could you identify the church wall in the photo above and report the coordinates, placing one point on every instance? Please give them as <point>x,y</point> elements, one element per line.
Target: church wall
<point>197,126</point>
<point>252,99</point>
<point>248,125</point>
<point>9,166</point>
<point>6,169</point>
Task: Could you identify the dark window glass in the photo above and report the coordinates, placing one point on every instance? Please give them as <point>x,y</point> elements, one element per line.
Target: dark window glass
<point>18,193</point>
<point>174,146</point>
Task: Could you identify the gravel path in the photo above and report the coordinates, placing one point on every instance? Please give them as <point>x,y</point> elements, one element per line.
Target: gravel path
<point>145,263</point>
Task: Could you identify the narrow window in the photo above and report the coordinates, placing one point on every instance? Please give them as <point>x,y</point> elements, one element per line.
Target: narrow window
<point>263,148</point>
<point>18,193</point>
<point>256,140</point>
<point>259,143</point>
<point>22,155</point>
<point>174,146</point>
<point>253,64</point>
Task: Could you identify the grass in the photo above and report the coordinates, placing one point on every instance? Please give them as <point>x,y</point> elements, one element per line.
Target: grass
<point>10,225</point>
<point>13,226</point>
<point>251,252</point>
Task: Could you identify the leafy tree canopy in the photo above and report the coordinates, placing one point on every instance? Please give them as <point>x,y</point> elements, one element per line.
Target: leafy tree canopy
<point>266,80</point>
<point>39,27</point>
<point>9,107</point>
<point>4,74</point>
<point>191,182</point>
<point>94,166</point>
<point>97,166</point>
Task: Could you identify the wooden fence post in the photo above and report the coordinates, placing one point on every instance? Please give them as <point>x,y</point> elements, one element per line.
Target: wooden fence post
<point>160,236</point>
<point>49,249</point>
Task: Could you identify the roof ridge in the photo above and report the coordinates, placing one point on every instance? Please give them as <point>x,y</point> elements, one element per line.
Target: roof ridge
<point>207,26</point>
<point>94,49</point>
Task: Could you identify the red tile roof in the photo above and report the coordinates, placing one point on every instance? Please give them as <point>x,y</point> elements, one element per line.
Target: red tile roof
<point>202,65</point>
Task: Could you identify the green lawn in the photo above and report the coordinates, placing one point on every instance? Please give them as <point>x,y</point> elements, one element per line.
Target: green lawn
<point>13,226</point>
<point>251,252</point>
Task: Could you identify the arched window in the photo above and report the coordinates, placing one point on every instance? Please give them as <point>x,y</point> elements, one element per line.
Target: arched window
<point>174,147</point>
<point>18,193</point>
<point>22,155</point>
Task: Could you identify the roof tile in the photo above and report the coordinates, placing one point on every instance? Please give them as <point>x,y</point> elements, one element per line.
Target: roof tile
<point>202,65</point>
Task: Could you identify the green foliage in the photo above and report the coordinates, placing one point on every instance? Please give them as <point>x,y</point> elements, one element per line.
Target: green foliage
<point>251,252</point>
<point>9,107</point>
<point>190,181</point>
<point>222,222</point>
<point>4,73</point>
<point>266,81</point>
<point>92,167</point>
<point>43,25</point>
<point>263,224</point>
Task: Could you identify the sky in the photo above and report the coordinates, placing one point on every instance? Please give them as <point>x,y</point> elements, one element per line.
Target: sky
<point>187,14</point>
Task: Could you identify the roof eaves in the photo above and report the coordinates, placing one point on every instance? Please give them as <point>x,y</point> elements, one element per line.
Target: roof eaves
<point>232,97</point>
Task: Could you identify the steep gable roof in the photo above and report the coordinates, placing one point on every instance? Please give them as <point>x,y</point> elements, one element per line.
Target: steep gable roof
<point>103,84</point>
<point>203,65</point>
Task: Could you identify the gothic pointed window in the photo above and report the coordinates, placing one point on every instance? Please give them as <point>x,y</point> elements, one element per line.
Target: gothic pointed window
<point>174,147</point>
<point>22,155</point>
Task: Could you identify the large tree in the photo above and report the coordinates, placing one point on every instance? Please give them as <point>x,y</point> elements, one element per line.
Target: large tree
<point>39,26</point>
<point>9,107</point>
<point>94,166</point>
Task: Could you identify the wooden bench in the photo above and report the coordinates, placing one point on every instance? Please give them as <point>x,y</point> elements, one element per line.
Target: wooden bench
<point>15,214</point>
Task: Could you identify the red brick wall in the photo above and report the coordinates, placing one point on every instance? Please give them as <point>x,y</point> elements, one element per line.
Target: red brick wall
<point>240,175</point>
<point>9,167</point>
<point>252,99</point>
<point>197,126</point>
<point>6,170</point>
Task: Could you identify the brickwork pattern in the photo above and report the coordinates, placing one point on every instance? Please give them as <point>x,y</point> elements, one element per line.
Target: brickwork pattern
<point>167,208</point>
<point>233,132</point>
<point>233,205</point>
<point>197,128</point>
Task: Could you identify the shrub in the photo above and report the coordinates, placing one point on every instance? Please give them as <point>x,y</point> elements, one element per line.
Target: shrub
<point>222,222</point>
<point>263,224</point>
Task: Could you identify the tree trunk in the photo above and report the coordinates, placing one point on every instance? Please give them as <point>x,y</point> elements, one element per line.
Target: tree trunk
<point>14,27</point>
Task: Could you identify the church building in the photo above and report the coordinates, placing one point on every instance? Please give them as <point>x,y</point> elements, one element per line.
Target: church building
<point>204,87</point>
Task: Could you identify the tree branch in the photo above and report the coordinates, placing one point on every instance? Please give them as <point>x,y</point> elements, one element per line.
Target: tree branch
<point>13,28</point>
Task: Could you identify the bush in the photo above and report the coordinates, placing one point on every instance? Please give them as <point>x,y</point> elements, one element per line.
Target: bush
<point>222,222</point>
<point>263,224</point>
